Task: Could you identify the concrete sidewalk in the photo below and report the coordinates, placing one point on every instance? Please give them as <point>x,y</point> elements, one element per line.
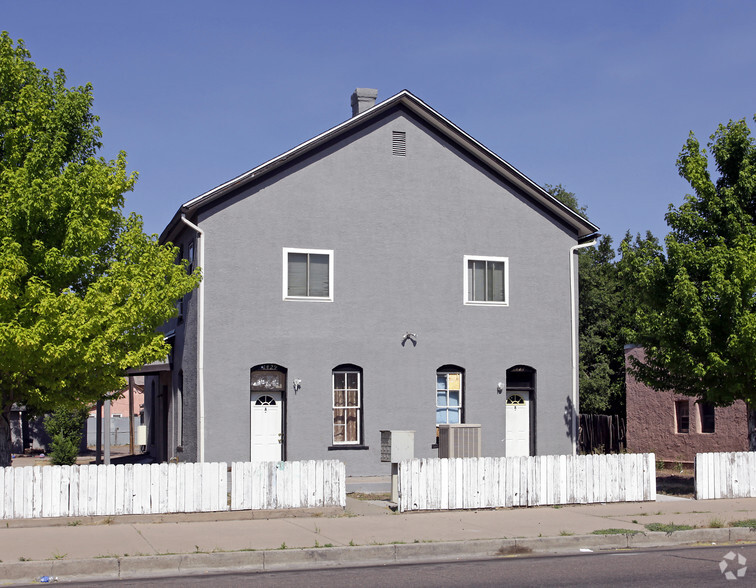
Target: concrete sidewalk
<point>367,532</point>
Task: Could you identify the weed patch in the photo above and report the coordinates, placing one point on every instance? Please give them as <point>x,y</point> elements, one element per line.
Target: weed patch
<point>751,523</point>
<point>371,495</point>
<point>667,528</point>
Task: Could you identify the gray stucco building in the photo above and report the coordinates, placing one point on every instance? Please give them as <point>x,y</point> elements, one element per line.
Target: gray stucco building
<point>390,273</point>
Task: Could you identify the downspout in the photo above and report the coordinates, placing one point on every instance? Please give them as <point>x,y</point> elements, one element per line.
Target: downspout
<point>573,321</point>
<point>200,340</point>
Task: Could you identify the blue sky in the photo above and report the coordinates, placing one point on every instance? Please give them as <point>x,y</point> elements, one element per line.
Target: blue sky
<point>597,95</point>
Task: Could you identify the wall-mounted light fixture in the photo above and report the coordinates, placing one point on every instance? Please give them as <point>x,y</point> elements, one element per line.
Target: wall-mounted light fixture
<point>297,384</point>
<point>500,388</point>
<point>411,336</point>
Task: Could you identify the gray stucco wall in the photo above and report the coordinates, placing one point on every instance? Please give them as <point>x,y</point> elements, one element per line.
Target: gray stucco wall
<point>399,228</point>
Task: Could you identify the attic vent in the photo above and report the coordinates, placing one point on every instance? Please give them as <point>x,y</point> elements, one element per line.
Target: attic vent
<point>399,143</point>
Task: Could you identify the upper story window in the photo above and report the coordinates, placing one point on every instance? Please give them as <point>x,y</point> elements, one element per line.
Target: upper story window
<point>308,274</point>
<point>486,280</point>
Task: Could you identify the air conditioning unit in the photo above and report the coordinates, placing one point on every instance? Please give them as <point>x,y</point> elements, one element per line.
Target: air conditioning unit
<point>459,440</point>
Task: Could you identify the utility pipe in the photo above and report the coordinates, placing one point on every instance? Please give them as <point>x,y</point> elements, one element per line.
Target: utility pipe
<point>200,339</point>
<point>573,316</point>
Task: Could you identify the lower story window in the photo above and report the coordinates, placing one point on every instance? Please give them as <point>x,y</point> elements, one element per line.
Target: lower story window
<point>682,413</point>
<point>347,405</point>
<point>448,397</point>
<point>707,417</point>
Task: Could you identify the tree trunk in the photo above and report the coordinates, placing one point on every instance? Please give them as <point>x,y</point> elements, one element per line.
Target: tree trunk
<point>5,440</point>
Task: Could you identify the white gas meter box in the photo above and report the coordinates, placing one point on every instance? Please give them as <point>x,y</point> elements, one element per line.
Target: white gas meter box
<point>141,435</point>
<point>397,446</point>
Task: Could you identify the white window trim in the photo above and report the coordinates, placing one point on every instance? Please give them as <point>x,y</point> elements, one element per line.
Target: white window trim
<point>285,266</point>
<point>468,258</point>
<point>357,441</point>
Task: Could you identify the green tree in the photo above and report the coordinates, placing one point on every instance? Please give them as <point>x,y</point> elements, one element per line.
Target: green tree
<point>65,428</point>
<point>604,315</point>
<point>567,198</point>
<point>82,288</point>
<point>602,382</point>
<point>697,300</point>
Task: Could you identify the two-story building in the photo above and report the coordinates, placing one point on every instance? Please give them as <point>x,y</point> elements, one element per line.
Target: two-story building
<point>390,273</point>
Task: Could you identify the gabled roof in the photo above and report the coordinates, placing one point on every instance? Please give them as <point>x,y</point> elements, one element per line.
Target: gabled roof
<point>435,120</point>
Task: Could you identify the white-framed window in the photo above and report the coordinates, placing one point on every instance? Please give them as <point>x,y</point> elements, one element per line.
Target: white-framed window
<point>449,396</point>
<point>308,274</point>
<point>347,405</point>
<point>486,280</point>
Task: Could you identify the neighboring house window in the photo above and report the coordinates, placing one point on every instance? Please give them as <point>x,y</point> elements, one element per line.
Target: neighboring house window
<point>682,413</point>
<point>180,410</point>
<point>486,280</point>
<point>347,405</point>
<point>308,274</point>
<point>190,257</point>
<point>707,417</point>
<point>449,388</point>
<point>153,416</point>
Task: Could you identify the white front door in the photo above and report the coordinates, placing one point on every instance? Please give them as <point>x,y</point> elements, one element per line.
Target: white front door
<point>518,424</point>
<point>267,408</point>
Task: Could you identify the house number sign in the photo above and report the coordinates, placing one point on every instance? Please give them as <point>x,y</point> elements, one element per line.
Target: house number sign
<point>266,377</point>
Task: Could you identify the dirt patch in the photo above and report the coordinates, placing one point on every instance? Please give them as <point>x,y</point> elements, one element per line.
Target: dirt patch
<point>514,550</point>
<point>118,454</point>
<point>676,482</point>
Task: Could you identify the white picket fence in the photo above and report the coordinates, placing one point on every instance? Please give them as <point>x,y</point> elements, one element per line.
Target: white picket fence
<point>726,475</point>
<point>289,484</point>
<point>69,491</point>
<point>490,482</point>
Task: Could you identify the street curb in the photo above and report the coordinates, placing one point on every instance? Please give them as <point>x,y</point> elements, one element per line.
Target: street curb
<point>116,568</point>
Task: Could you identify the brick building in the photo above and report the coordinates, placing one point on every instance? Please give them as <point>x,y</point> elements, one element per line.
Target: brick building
<point>675,427</point>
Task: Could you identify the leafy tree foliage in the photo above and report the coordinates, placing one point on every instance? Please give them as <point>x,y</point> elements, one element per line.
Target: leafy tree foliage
<point>602,382</point>
<point>567,198</point>
<point>697,311</point>
<point>65,428</point>
<point>82,288</point>
<point>605,316</point>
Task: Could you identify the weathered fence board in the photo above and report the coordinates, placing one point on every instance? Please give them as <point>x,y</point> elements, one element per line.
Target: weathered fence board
<point>60,491</point>
<point>490,482</point>
<point>288,484</point>
<point>725,475</point>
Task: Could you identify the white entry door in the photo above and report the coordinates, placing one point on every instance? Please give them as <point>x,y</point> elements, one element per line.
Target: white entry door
<point>518,424</point>
<point>267,408</point>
